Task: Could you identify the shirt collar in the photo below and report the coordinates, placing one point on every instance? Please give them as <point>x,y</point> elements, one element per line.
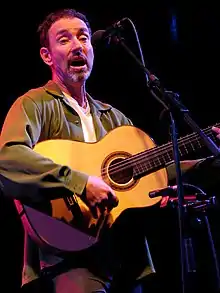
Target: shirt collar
<point>52,88</point>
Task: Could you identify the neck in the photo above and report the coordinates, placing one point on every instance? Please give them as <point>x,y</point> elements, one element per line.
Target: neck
<point>76,90</point>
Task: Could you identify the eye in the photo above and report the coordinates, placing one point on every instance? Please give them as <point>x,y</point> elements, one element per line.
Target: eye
<point>84,38</point>
<point>63,40</point>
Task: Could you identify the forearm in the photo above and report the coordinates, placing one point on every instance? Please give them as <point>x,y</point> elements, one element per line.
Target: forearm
<point>206,174</point>
<point>24,173</point>
<point>202,172</point>
<point>185,166</point>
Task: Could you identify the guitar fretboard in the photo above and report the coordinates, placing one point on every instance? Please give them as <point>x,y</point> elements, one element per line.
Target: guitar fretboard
<point>158,157</point>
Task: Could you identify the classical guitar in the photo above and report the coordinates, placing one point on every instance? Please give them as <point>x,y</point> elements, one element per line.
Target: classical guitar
<point>126,158</point>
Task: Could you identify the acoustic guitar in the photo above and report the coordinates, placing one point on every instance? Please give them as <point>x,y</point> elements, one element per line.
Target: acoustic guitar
<point>127,159</point>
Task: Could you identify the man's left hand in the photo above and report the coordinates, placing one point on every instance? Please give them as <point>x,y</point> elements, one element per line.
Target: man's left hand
<point>216,130</point>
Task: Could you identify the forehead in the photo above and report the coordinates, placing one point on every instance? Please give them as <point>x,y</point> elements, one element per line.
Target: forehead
<point>67,24</point>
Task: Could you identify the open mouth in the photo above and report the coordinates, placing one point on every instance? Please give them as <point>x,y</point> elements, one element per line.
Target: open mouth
<point>78,63</point>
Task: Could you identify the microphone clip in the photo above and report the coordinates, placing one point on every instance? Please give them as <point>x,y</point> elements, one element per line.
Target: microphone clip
<point>111,34</point>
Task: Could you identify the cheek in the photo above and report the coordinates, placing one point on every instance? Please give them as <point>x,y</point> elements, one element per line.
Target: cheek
<point>59,59</point>
<point>90,55</point>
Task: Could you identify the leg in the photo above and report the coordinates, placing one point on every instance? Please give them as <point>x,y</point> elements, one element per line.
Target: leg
<point>78,281</point>
<point>127,250</point>
<point>74,281</point>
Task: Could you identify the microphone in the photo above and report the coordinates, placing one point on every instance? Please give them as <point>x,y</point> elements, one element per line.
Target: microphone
<point>171,191</point>
<point>106,35</point>
<point>167,191</point>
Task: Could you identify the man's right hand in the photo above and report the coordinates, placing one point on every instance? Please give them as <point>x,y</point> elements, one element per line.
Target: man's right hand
<point>99,195</point>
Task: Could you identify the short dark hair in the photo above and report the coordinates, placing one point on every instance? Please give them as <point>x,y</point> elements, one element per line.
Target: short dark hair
<point>44,27</point>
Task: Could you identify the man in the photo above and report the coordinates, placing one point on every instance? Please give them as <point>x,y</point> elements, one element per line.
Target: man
<point>62,109</point>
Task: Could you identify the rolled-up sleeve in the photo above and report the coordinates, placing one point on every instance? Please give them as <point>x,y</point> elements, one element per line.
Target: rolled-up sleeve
<point>23,171</point>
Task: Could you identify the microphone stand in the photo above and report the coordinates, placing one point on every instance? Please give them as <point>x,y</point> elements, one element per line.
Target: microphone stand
<point>172,104</point>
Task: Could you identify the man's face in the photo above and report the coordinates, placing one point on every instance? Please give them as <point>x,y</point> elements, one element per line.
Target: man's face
<point>70,53</point>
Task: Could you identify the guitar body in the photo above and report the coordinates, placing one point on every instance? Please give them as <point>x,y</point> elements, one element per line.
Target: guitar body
<point>57,231</point>
<point>93,158</point>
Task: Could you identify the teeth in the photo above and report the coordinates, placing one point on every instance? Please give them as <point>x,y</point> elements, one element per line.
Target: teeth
<point>78,63</point>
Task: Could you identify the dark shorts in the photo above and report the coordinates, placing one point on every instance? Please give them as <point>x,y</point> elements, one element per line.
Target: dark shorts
<point>74,281</point>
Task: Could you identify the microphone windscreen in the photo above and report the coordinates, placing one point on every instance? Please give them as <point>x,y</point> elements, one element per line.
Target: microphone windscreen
<point>97,37</point>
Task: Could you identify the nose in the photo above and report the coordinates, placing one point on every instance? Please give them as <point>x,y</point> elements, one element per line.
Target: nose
<point>76,45</point>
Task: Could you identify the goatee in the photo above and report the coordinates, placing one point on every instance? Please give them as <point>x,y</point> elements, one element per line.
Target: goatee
<point>79,76</point>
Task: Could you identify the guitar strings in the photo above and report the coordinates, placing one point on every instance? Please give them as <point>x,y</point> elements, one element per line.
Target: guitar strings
<point>154,153</point>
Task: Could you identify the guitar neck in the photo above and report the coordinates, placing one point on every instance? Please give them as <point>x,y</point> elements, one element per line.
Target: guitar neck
<point>158,157</point>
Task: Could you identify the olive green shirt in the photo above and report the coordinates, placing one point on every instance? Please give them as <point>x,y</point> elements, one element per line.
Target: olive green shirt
<point>39,115</point>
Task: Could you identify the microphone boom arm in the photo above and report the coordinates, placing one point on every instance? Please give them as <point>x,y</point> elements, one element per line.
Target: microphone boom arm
<point>170,100</point>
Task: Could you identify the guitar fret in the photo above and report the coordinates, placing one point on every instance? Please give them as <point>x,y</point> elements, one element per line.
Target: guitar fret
<point>159,159</point>
<point>167,157</point>
<point>199,143</point>
<point>192,145</point>
<point>185,149</point>
<point>138,169</point>
<point>153,163</point>
<point>163,158</point>
<point>141,168</point>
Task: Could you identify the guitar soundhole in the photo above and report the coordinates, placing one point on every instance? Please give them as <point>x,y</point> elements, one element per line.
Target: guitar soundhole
<point>118,171</point>
<point>118,174</point>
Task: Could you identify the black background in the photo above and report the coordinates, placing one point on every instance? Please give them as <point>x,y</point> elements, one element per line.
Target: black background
<point>187,64</point>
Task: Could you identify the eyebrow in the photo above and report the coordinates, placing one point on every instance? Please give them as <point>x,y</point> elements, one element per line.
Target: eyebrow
<point>80,31</point>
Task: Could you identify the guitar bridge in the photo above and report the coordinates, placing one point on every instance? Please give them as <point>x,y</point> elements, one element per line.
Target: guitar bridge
<point>70,201</point>
<point>73,206</point>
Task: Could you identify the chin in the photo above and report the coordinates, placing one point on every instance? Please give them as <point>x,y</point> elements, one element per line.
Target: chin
<point>80,76</point>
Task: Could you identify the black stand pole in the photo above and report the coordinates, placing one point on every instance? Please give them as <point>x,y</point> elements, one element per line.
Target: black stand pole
<point>172,104</point>
<point>181,210</point>
<point>213,252</point>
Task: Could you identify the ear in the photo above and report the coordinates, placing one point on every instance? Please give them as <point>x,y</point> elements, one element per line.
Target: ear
<point>46,56</point>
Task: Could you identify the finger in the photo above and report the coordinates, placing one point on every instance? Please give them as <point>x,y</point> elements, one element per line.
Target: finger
<point>216,129</point>
<point>102,206</point>
<point>112,200</point>
<point>94,211</point>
